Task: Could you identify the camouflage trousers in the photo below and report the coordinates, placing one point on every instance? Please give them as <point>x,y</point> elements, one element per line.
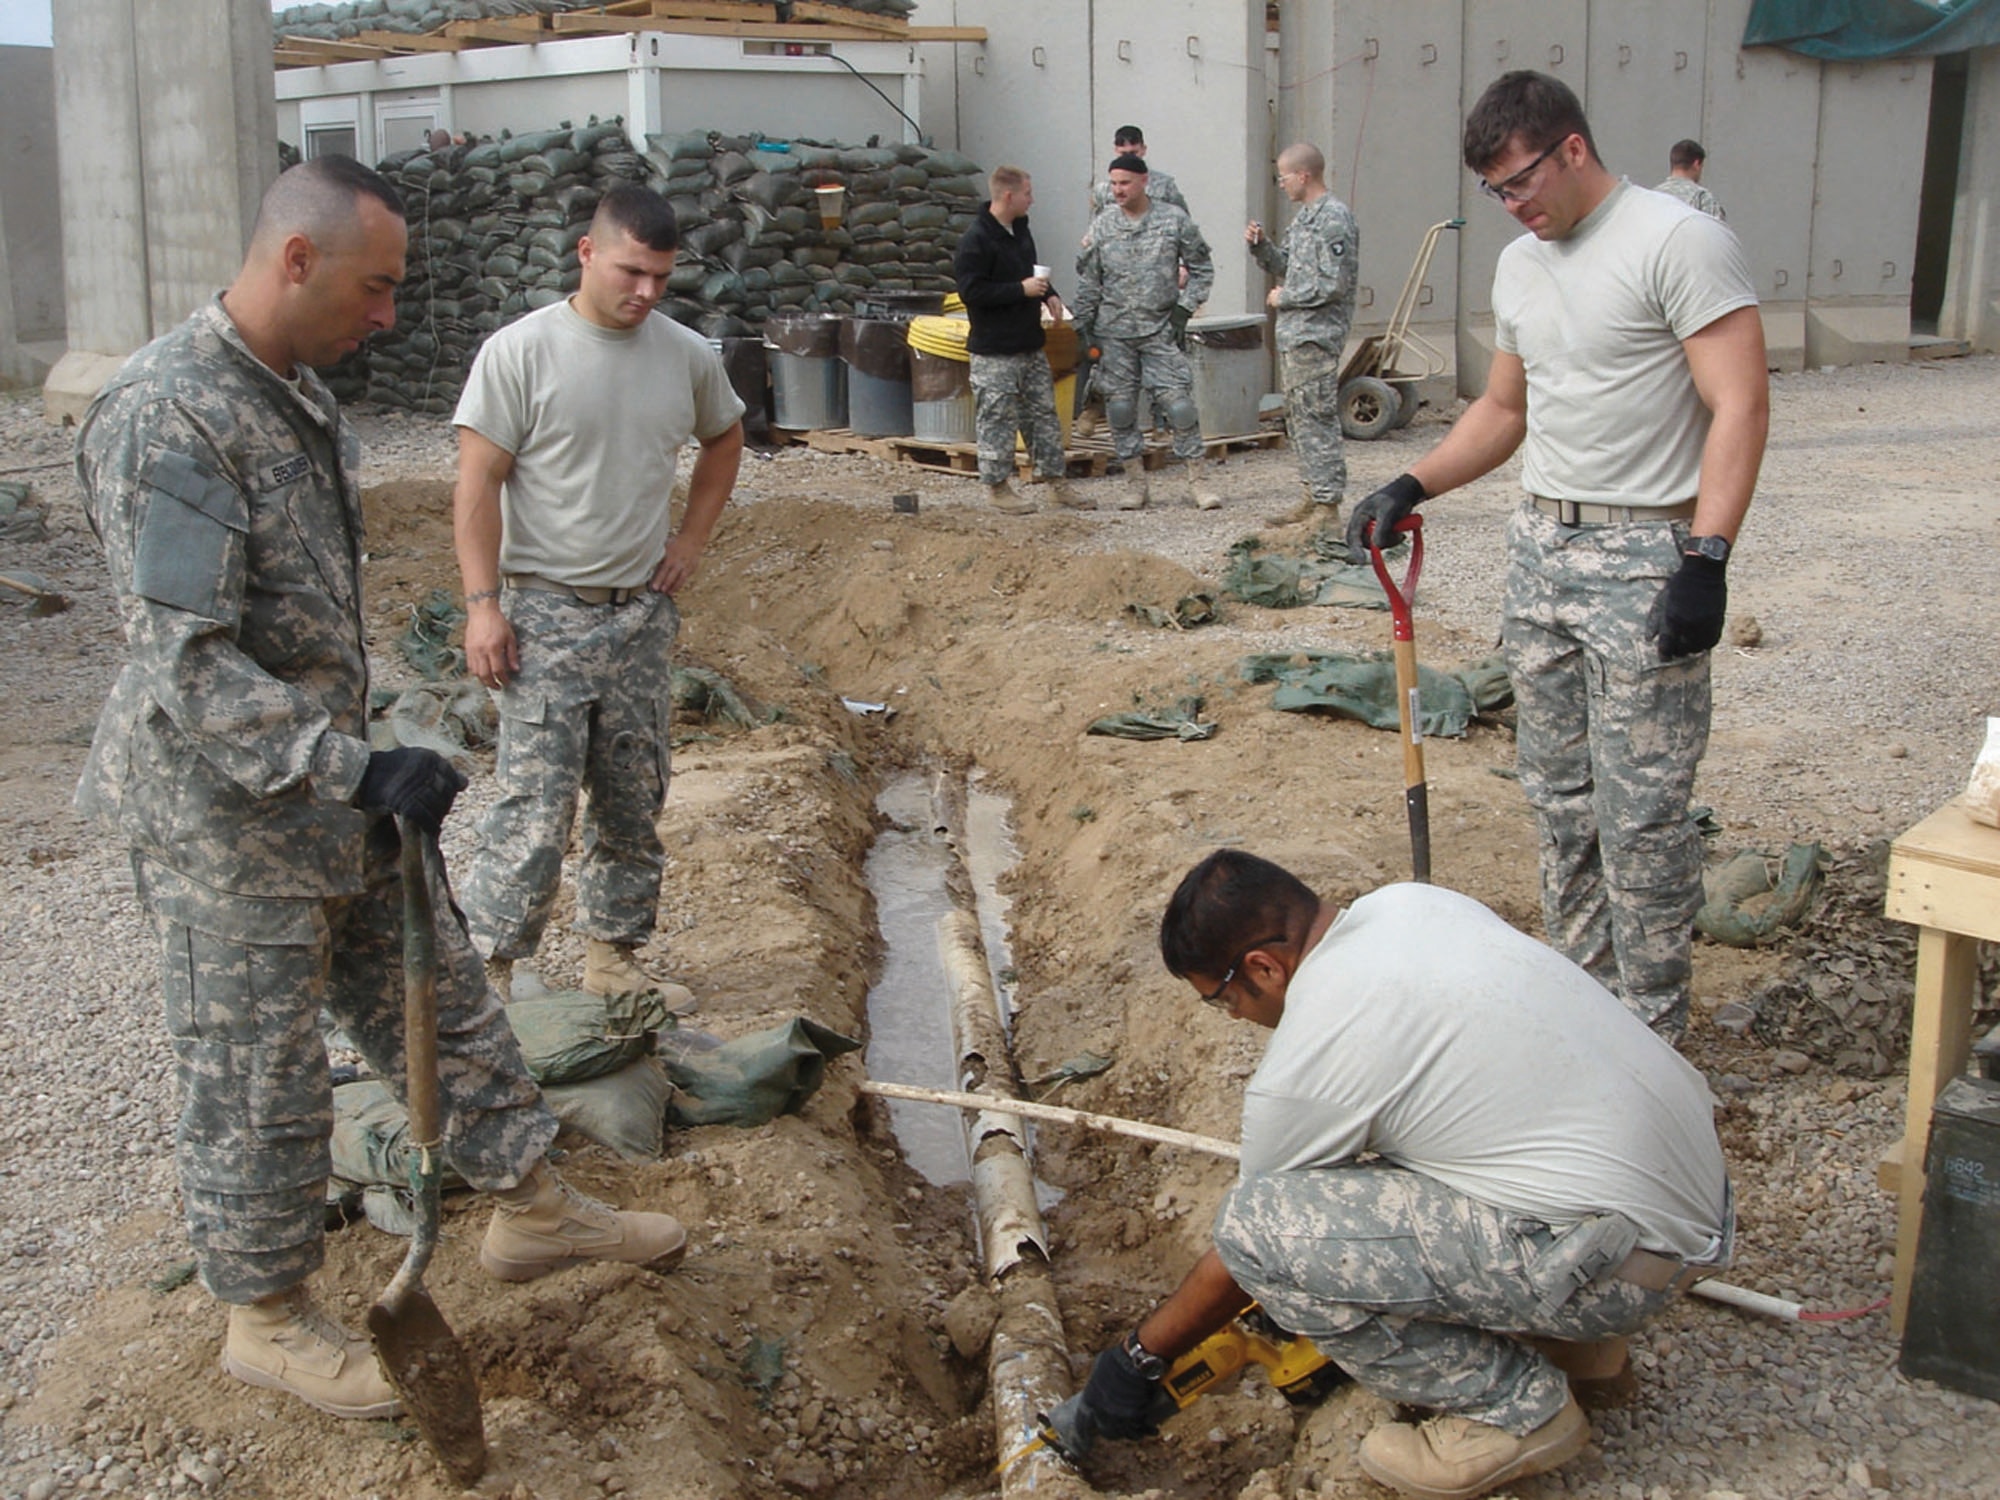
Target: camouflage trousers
<point>245,982</point>
<point>1014,393</point>
<point>1312,422</point>
<point>1608,740</point>
<point>1414,1289</point>
<point>1159,366</point>
<point>589,711</point>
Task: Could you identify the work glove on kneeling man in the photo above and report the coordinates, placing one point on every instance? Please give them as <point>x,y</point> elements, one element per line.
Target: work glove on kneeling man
<point>1374,521</point>
<point>420,785</point>
<point>1686,619</point>
<point>1120,1400</point>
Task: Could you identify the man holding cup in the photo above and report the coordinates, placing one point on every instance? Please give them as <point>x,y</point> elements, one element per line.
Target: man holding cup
<point>1004,290</point>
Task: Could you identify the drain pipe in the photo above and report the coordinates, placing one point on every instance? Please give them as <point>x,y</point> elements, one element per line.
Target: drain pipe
<point>1028,1367</point>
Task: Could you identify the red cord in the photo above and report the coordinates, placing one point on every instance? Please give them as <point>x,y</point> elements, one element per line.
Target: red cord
<point>1846,1312</point>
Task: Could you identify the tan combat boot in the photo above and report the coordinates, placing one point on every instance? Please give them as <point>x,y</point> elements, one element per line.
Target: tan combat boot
<point>286,1343</point>
<point>1067,497</point>
<point>1131,491</point>
<point>1599,1370</point>
<point>500,978</point>
<point>1320,513</point>
<point>1201,481</point>
<point>1004,498</point>
<point>610,969</point>
<point>544,1224</point>
<point>1456,1458</point>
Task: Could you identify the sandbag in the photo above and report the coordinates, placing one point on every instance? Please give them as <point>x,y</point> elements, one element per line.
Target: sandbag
<point>754,1079</point>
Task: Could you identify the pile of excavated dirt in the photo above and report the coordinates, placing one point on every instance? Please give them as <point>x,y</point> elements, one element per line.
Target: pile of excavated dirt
<point>803,1349</point>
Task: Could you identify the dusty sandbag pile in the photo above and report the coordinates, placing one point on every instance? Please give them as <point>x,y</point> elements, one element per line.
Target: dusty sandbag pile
<point>339,22</point>
<point>332,23</point>
<point>494,228</point>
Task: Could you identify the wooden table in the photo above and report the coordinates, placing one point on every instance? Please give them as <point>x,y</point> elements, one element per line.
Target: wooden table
<point>1944,876</point>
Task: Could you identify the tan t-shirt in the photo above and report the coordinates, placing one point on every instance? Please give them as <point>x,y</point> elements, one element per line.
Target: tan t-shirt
<point>1597,319</point>
<point>595,418</point>
<point>1423,1028</point>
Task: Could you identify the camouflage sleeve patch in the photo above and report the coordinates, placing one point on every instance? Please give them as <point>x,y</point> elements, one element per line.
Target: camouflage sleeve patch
<point>193,520</point>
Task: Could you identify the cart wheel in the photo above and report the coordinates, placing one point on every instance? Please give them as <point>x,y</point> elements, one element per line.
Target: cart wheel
<point>1406,394</point>
<point>1368,407</point>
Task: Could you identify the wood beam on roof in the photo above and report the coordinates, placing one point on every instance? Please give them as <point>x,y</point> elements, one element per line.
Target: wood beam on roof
<point>500,29</point>
<point>407,41</point>
<point>320,50</point>
<point>840,15</point>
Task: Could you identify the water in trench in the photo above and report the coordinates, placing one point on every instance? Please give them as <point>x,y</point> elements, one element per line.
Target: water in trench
<point>909,1009</point>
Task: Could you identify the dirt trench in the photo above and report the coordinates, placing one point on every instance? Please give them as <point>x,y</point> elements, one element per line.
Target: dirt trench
<point>802,1348</point>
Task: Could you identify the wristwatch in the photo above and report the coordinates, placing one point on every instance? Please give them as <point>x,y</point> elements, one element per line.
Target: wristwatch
<point>1147,1363</point>
<point>1714,548</point>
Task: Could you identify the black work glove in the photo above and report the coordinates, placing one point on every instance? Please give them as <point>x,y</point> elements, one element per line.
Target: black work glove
<point>1086,336</point>
<point>419,785</point>
<point>1687,617</point>
<point>1117,1400</point>
<point>1179,318</point>
<point>1382,511</point>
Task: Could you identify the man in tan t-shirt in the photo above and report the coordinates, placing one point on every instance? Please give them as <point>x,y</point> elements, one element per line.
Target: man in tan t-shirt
<point>569,431</point>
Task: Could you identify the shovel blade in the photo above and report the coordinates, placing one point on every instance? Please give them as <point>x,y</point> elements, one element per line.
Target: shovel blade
<point>427,1365</point>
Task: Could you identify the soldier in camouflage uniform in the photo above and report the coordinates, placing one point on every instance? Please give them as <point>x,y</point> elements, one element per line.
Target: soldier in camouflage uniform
<point>233,756</point>
<point>1629,370</point>
<point>1414,1196</point>
<point>569,433</point>
<point>1129,140</point>
<point>1318,266</point>
<point>1684,164</point>
<point>1131,304</point>
<point>1012,387</point>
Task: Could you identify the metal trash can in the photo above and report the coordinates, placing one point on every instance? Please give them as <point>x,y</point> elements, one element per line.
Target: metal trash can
<point>941,400</point>
<point>878,376</point>
<point>1231,373</point>
<point>808,379</point>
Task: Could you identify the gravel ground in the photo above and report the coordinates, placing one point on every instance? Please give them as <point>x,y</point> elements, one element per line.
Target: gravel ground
<point>1867,563</point>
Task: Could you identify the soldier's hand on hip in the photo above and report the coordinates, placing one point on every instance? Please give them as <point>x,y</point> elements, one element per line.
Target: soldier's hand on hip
<point>416,784</point>
<point>1375,519</point>
<point>1686,619</point>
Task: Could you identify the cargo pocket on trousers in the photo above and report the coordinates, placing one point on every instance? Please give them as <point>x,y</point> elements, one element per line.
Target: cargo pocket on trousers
<point>1581,1255</point>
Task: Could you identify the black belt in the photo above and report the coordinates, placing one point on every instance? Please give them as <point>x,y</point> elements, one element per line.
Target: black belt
<point>1589,513</point>
<point>582,593</point>
<point>1660,1273</point>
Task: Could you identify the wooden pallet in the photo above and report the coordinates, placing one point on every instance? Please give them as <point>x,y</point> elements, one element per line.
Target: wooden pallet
<point>1085,458</point>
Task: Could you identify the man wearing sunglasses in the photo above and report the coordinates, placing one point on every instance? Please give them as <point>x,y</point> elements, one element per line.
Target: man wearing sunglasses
<point>1629,370</point>
<point>1451,1149</point>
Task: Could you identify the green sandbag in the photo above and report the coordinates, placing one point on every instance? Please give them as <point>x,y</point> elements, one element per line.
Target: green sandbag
<point>625,1109</point>
<point>1753,897</point>
<point>754,1079</point>
<point>1363,688</point>
<point>568,1035</point>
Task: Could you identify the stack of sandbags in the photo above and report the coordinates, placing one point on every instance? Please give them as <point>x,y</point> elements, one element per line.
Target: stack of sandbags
<point>330,23</point>
<point>494,230</point>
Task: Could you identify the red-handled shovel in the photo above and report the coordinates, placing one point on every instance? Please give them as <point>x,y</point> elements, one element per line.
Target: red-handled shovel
<point>1416,795</point>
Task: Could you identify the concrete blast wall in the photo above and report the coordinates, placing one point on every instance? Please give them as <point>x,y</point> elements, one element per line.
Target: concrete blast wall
<point>1056,78</point>
<point>168,141</point>
<point>1819,165</point>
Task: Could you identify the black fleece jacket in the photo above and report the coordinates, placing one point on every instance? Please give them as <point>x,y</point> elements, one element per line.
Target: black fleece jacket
<point>990,266</point>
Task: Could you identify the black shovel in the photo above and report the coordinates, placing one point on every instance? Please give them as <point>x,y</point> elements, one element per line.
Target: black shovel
<point>1409,710</point>
<point>419,1353</point>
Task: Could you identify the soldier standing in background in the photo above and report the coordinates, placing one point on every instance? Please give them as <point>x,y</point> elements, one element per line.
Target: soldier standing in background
<point>1129,140</point>
<point>569,434</point>
<point>1685,163</point>
<point>1131,303</point>
<point>1318,267</point>
<point>1004,291</point>
<point>233,756</point>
